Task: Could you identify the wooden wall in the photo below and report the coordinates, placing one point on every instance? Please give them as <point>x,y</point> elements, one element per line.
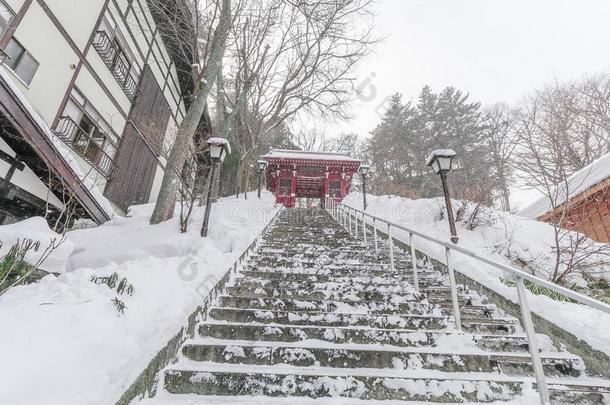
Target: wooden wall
<point>131,181</point>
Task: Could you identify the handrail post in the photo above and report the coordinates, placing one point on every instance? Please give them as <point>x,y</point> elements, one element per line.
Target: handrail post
<point>355,223</point>
<point>392,267</point>
<point>349,216</point>
<point>375,236</point>
<point>364,227</point>
<point>414,262</point>
<point>526,316</point>
<point>454,293</point>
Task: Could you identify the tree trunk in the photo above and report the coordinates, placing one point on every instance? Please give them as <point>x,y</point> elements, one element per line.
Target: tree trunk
<point>505,192</point>
<point>166,201</point>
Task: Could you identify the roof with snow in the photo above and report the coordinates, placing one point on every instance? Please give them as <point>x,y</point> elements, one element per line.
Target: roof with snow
<point>581,181</point>
<point>308,155</point>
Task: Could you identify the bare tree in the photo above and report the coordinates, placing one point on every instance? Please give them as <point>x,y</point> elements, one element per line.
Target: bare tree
<point>500,135</point>
<point>208,46</point>
<point>556,137</point>
<point>291,58</point>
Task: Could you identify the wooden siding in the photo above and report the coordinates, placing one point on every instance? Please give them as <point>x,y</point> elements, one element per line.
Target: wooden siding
<point>131,182</point>
<point>588,213</point>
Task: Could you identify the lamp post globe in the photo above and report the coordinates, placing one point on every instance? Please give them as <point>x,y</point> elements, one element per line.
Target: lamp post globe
<point>219,149</point>
<point>262,165</point>
<point>364,171</point>
<point>441,161</point>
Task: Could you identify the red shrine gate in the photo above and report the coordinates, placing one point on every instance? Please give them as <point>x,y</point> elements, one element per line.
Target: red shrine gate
<point>293,174</point>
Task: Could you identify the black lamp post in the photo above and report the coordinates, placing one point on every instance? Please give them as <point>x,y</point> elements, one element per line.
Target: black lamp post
<point>219,149</point>
<point>262,165</point>
<point>441,161</point>
<point>364,171</point>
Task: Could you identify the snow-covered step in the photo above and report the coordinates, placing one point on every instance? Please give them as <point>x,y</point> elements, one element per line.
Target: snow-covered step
<point>328,275</point>
<point>375,356</point>
<point>359,335</point>
<point>362,283</point>
<point>331,319</point>
<point>416,308</point>
<point>407,385</point>
<point>348,294</point>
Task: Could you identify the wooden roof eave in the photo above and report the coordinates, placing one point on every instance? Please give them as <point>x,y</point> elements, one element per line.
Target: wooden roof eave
<point>575,201</point>
<point>21,119</point>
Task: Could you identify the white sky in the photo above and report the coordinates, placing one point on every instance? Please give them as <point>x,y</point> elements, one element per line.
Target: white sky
<point>498,50</point>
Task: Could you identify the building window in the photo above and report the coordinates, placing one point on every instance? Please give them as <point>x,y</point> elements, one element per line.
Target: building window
<point>112,47</point>
<point>6,15</point>
<point>21,61</point>
<point>83,129</point>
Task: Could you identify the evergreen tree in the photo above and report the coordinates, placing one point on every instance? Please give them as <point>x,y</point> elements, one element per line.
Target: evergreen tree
<point>407,134</point>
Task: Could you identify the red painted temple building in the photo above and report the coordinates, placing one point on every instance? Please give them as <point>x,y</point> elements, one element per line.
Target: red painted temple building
<point>293,174</point>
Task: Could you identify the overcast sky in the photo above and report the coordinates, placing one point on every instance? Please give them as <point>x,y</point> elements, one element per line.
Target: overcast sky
<point>498,50</point>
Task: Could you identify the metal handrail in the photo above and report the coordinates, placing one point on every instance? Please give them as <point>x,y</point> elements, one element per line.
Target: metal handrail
<point>115,60</point>
<point>347,215</point>
<point>67,130</point>
<point>576,296</point>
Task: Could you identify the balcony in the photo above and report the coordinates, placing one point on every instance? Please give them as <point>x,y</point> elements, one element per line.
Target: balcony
<point>114,57</point>
<point>85,145</point>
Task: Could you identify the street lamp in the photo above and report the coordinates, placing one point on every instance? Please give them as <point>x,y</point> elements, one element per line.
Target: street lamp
<point>364,171</point>
<point>262,165</point>
<point>441,160</point>
<point>219,149</point>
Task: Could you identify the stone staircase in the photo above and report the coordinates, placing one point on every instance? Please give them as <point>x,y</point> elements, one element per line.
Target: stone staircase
<point>315,313</point>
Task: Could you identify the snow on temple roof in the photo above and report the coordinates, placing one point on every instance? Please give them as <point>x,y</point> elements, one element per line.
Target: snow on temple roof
<point>308,155</point>
<point>581,181</point>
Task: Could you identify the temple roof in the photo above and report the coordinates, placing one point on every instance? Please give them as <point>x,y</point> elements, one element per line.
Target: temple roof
<point>308,155</point>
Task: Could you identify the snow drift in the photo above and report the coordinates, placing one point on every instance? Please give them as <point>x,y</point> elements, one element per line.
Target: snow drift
<point>63,341</point>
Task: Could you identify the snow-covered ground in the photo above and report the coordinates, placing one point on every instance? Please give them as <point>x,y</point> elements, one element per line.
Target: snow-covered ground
<point>62,340</point>
<point>505,237</point>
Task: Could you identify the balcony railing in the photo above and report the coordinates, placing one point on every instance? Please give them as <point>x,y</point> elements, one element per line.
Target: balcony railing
<point>116,61</point>
<point>84,145</point>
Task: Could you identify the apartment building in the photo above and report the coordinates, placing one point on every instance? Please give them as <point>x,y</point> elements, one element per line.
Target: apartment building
<point>90,97</point>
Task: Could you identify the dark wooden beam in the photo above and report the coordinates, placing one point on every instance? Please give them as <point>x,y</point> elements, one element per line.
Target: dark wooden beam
<point>12,27</point>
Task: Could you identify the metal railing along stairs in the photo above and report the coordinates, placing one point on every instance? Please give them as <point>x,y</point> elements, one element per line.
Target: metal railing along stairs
<point>353,218</point>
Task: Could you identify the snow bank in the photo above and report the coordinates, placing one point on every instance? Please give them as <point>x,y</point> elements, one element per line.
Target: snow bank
<point>503,237</point>
<point>37,229</point>
<point>63,341</point>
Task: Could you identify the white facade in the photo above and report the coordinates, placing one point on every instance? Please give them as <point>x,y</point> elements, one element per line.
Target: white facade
<point>57,33</point>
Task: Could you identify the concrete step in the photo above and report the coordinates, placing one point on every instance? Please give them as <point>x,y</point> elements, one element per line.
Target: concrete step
<point>326,276</point>
<point>374,356</point>
<point>274,381</point>
<point>416,308</point>
<point>394,337</point>
<point>354,282</point>
<point>349,294</point>
<point>329,319</point>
